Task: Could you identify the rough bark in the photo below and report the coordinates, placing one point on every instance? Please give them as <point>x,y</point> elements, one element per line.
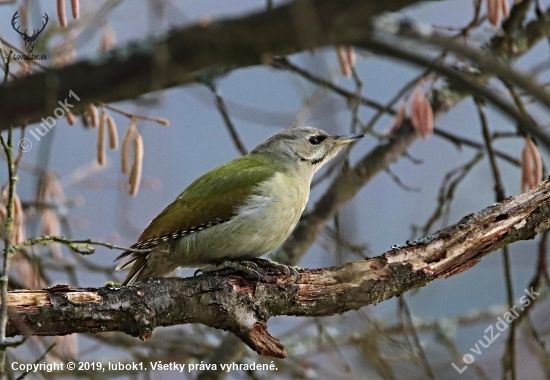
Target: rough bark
<point>243,306</point>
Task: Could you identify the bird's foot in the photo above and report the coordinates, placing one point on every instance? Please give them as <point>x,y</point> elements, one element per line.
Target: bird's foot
<point>247,267</point>
<point>289,271</point>
<point>255,268</point>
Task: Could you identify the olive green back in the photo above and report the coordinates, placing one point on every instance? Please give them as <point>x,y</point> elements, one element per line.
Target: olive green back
<point>213,197</point>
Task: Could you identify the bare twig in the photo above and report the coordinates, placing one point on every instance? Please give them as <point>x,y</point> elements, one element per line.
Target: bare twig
<point>81,246</point>
<point>416,347</point>
<point>283,63</point>
<point>39,359</point>
<point>222,108</point>
<point>129,115</point>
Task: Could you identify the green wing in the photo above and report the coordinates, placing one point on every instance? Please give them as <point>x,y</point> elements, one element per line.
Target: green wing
<point>213,197</point>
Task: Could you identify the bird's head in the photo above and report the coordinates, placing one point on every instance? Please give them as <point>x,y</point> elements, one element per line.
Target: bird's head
<point>306,147</point>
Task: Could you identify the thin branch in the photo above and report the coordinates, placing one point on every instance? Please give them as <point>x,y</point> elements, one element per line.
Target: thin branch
<point>416,347</point>
<point>81,246</point>
<point>509,357</point>
<point>8,229</point>
<point>222,108</point>
<point>400,183</point>
<point>284,63</point>
<point>499,189</point>
<point>39,359</point>
<point>389,105</point>
<point>459,141</point>
<point>446,193</point>
<point>129,115</point>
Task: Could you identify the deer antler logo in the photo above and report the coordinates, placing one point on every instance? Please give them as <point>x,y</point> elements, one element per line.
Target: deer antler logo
<point>29,40</point>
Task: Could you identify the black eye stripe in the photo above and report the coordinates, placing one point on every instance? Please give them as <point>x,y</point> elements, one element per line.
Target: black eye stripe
<point>316,140</point>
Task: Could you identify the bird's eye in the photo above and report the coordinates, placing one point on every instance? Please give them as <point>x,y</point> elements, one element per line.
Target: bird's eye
<point>316,140</point>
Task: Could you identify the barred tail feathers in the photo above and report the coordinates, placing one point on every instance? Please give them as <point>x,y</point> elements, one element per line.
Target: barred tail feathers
<point>138,265</point>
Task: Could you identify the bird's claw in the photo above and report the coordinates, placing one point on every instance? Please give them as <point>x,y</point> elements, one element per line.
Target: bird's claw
<point>289,270</point>
<point>251,268</point>
<point>242,266</point>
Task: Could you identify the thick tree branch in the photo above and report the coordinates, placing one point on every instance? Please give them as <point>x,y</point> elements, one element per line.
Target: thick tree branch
<point>243,307</point>
<point>194,53</point>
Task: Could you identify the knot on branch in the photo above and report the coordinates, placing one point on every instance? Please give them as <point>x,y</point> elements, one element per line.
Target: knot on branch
<point>261,341</point>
